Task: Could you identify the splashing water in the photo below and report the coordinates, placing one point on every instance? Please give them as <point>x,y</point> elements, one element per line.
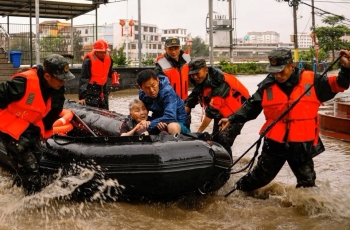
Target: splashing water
<point>322,201</point>
<point>67,185</point>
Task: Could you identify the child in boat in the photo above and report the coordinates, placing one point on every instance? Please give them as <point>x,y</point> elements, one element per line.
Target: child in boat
<point>137,121</point>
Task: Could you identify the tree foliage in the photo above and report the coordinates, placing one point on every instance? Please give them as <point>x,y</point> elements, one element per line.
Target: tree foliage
<point>53,44</point>
<point>77,46</point>
<point>309,55</point>
<point>148,61</point>
<point>329,36</point>
<point>119,57</point>
<point>198,48</point>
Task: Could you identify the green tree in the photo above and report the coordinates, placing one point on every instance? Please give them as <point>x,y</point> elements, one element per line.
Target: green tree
<point>309,55</point>
<point>329,36</point>
<point>77,46</point>
<point>119,57</point>
<point>198,48</point>
<point>148,61</point>
<point>53,44</point>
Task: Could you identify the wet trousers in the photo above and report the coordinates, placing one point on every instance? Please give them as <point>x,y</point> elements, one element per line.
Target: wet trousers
<point>227,136</point>
<point>271,160</point>
<point>97,96</point>
<point>24,154</point>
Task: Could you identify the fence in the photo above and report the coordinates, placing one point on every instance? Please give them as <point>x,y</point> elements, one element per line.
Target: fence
<point>53,38</point>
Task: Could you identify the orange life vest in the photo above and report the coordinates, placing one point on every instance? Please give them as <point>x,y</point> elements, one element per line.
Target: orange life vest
<point>230,104</point>
<point>178,79</point>
<point>99,69</point>
<point>30,109</point>
<point>301,122</point>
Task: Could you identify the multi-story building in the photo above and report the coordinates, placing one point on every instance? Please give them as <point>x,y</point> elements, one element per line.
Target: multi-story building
<point>52,27</point>
<point>49,30</point>
<point>304,40</point>
<point>262,37</point>
<point>180,33</point>
<point>128,35</point>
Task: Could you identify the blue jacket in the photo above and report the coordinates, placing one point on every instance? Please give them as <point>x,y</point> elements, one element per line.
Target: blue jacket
<point>167,107</point>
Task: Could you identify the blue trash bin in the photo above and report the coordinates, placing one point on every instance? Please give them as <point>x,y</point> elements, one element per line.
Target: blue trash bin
<point>15,58</point>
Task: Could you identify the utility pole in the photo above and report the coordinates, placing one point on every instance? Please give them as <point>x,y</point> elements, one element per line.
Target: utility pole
<point>231,22</point>
<point>313,22</point>
<point>139,31</point>
<point>211,49</point>
<point>316,47</point>
<point>295,8</point>
<point>294,4</point>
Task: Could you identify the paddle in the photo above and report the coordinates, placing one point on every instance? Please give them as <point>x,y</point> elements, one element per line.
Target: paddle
<point>268,128</point>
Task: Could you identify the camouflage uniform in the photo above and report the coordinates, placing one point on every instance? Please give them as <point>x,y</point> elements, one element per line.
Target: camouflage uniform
<point>24,152</point>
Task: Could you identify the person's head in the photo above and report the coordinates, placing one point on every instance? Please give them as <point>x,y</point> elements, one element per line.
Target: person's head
<point>281,64</point>
<point>56,71</point>
<point>138,110</point>
<point>148,82</point>
<point>100,48</point>
<point>198,70</point>
<point>172,48</point>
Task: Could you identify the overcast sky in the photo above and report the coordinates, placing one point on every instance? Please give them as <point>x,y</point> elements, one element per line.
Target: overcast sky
<point>251,15</point>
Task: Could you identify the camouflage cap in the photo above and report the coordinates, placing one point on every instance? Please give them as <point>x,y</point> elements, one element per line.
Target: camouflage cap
<point>278,59</point>
<point>195,65</point>
<point>58,66</point>
<point>172,42</point>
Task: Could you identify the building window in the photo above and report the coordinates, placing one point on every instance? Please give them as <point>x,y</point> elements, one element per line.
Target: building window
<point>165,31</point>
<point>159,46</point>
<point>145,29</point>
<point>154,46</point>
<point>133,46</point>
<point>156,38</point>
<point>86,31</point>
<point>151,29</point>
<point>136,28</point>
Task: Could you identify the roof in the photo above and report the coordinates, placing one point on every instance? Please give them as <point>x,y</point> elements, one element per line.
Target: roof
<point>60,9</point>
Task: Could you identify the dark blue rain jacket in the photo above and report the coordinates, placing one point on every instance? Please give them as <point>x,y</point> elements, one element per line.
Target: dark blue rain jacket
<point>167,107</point>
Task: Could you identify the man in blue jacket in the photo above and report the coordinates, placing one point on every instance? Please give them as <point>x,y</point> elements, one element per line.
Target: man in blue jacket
<point>168,111</point>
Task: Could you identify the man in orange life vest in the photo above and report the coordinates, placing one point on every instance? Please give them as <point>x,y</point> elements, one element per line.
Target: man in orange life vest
<point>174,65</point>
<point>295,138</point>
<point>95,71</point>
<point>29,105</point>
<point>220,94</point>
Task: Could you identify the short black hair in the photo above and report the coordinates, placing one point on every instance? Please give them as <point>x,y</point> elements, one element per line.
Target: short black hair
<point>145,75</point>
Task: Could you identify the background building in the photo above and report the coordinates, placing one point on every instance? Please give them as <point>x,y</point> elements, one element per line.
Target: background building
<point>180,33</point>
<point>262,37</point>
<point>304,40</point>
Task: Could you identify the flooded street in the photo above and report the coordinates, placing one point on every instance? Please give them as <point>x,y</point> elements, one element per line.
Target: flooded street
<point>278,205</point>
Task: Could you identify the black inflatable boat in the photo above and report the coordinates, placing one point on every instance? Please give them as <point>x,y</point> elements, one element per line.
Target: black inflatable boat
<point>156,166</point>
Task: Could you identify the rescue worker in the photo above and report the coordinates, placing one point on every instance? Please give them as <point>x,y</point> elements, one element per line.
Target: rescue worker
<point>95,71</point>
<point>220,94</point>
<point>174,64</point>
<point>168,112</point>
<point>26,115</point>
<point>295,138</point>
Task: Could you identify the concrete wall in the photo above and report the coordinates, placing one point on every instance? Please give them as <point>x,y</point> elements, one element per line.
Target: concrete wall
<point>127,79</point>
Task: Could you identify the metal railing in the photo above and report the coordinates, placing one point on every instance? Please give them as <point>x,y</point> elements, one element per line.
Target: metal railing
<point>4,40</point>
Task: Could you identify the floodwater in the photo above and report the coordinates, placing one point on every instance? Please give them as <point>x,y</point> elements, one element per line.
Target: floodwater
<point>278,205</point>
